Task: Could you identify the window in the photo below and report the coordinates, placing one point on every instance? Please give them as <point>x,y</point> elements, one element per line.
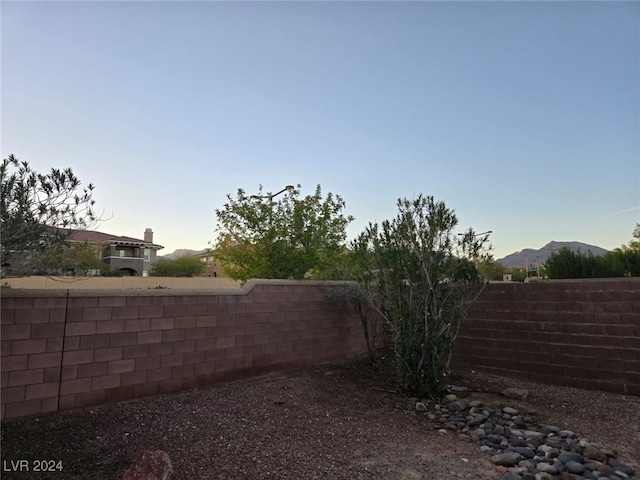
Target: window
<point>147,254</point>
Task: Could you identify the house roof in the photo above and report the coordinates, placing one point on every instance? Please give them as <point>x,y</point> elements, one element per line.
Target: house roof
<point>106,238</point>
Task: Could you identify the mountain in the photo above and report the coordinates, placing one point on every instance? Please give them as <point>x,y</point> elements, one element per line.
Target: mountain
<point>530,256</point>
<point>179,252</point>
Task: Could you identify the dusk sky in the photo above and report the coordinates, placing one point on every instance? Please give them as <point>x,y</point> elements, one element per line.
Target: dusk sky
<point>524,117</point>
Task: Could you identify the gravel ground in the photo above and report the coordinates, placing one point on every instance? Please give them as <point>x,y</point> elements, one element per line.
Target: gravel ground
<point>330,422</point>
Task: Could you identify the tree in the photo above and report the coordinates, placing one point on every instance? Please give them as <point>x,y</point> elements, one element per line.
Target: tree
<point>634,243</point>
<point>518,274</point>
<point>491,269</point>
<point>621,262</point>
<point>288,237</point>
<point>564,263</point>
<point>70,258</point>
<point>184,266</point>
<point>38,209</point>
<point>424,276</point>
<point>628,256</point>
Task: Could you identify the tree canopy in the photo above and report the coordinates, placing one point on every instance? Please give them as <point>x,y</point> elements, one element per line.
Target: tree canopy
<point>634,243</point>
<point>184,266</point>
<point>69,258</point>
<point>621,262</point>
<point>491,269</point>
<point>288,236</point>
<point>38,209</point>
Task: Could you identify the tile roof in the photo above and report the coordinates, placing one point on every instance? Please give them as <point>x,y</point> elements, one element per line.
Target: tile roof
<point>93,236</point>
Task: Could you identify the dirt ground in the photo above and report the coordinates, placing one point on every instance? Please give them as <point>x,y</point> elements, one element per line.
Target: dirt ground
<point>337,421</point>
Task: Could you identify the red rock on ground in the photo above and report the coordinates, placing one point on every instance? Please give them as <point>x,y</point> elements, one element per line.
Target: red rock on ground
<point>150,465</point>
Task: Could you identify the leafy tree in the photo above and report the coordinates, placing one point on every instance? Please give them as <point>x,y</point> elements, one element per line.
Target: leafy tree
<point>634,243</point>
<point>518,274</point>
<point>491,269</point>
<point>68,258</point>
<point>564,263</point>
<point>288,237</point>
<point>37,209</point>
<point>628,256</point>
<point>184,266</point>
<point>188,265</point>
<point>628,261</point>
<point>623,262</point>
<point>424,277</point>
<point>163,267</point>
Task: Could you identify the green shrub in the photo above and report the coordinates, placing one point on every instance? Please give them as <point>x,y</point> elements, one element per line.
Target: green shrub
<point>422,277</point>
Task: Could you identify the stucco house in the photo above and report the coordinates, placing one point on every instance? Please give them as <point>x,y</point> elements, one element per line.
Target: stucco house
<point>124,255</point>
<point>213,267</point>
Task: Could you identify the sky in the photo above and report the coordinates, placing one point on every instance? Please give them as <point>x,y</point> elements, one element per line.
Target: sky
<point>524,117</point>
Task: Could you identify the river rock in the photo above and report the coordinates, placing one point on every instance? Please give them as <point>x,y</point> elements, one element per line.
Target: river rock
<point>510,476</point>
<point>457,406</point>
<point>603,469</point>
<point>522,449</point>
<point>529,434</point>
<point>544,476</point>
<point>476,421</point>
<point>547,429</point>
<point>566,457</point>
<point>593,453</point>
<point>526,452</point>
<point>620,467</point>
<point>508,459</point>
<point>546,468</point>
<point>564,475</point>
<point>574,467</point>
<point>495,438</point>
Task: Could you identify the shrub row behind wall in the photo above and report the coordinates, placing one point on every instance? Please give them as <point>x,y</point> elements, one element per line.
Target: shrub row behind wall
<point>61,352</point>
<point>580,333</point>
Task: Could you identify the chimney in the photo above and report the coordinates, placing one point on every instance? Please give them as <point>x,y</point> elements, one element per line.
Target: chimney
<point>148,235</point>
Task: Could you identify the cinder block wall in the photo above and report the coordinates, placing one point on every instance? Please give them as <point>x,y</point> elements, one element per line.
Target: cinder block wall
<point>62,352</point>
<point>580,333</point>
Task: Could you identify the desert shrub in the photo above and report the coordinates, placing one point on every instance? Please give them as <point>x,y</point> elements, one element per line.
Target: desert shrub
<point>420,276</point>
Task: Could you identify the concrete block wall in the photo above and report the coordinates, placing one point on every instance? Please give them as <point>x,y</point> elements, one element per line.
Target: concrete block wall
<point>580,333</point>
<point>87,348</point>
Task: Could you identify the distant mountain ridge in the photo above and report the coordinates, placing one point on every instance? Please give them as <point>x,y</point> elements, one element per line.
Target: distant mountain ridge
<point>181,251</point>
<point>531,256</point>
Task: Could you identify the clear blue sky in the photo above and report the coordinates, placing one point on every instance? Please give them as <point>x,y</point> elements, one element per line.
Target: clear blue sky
<point>523,116</point>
